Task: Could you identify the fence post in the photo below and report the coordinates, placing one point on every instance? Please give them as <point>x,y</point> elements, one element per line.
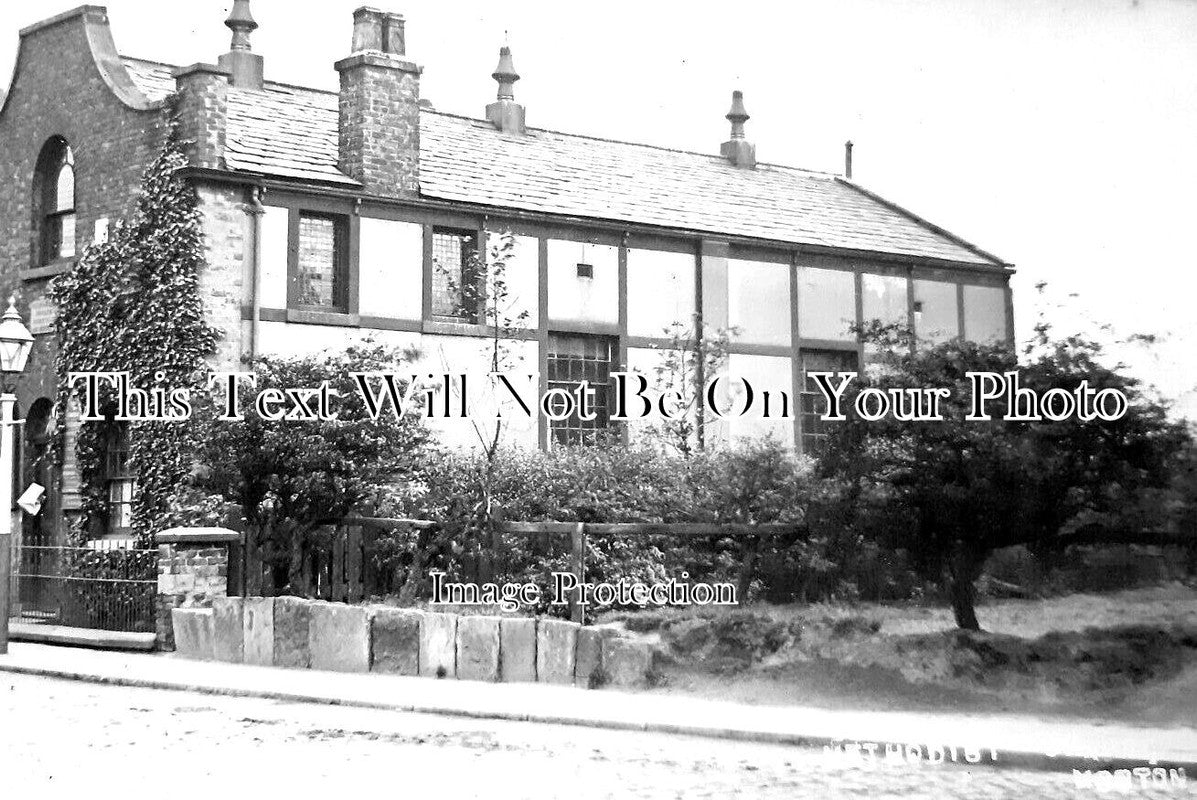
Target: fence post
<point>578,565</point>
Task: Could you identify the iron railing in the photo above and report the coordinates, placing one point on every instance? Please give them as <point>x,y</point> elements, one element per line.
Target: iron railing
<point>106,585</point>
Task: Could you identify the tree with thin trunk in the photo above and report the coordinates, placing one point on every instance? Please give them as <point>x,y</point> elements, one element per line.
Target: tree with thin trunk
<point>951,492</point>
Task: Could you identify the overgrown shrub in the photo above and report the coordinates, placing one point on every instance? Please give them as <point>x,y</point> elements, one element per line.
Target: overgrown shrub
<point>758,483</point>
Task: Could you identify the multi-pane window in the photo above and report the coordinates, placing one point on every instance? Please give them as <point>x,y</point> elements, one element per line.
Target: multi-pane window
<point>455,291</point>
<point>813,404</point>
<point>323,265</point>
<point>58,202</point>
<point>571,360</point>
<point>121,482</point>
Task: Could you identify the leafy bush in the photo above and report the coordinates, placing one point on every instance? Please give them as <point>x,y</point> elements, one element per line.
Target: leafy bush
<point>759,483</point>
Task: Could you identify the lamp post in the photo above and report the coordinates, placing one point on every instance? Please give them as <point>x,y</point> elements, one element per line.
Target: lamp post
<point>15,344</point>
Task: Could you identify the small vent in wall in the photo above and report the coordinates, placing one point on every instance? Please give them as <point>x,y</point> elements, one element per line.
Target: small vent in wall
<point>585,270</point>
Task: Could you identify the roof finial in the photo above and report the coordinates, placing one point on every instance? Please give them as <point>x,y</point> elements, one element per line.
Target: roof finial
<point>241,23</point>
<point>848,159</point>
<point>737,115</point>
<point>738,150</point>
<point>505,74</point>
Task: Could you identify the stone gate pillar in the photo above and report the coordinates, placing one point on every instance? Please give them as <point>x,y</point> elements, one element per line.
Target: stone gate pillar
<point>193,568</point>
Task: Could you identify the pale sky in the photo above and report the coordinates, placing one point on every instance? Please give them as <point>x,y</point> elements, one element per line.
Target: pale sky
<point>1060,135</point>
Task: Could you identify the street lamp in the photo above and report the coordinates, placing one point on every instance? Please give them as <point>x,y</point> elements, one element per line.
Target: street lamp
<point>15,344</point>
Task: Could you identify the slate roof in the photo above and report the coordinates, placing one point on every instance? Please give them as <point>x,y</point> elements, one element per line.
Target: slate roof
<point>291,132</point>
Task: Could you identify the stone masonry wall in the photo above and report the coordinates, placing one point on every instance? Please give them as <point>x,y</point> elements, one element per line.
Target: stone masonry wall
<point>226,221</point>
<point>58,91</point>
<point>188,577</point>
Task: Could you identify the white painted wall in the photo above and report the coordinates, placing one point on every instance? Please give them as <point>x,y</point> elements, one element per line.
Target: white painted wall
<point>583,299</point>
<point>391,269</point>
<point>471,355</point>
<point>272,279</point>
<point>660,291</point>
<point>523,282</point>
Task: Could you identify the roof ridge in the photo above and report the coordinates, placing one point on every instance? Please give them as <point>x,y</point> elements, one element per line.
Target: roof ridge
<point>165,65</point>
<point>608,140</point>
<point>589,137</point>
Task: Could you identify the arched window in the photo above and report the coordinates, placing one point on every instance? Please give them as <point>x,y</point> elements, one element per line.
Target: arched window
<point>55,204</point>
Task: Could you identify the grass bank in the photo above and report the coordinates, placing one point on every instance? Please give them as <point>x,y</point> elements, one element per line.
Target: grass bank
<point>1129,656</point>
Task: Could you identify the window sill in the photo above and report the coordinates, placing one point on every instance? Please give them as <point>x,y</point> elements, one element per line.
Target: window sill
<point>48,270</point>
<point>317,317</point>
<point>454,327</point>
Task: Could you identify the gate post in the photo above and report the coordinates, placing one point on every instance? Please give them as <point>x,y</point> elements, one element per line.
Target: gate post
<point>193,568</point>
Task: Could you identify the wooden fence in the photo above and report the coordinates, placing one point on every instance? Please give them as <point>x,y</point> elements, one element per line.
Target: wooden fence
<point>339,563</point>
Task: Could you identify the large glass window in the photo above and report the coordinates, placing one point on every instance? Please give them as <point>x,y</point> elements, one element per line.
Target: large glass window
<point>56,177</point>
<point>813,403</point>
<point>985,314</point>
<point>884,299</point>
<point>323,266</point>
<point>936,312</point>
<point>571,360</point>
<point>455,289</point>
<point>826,303</point>
<point>758,301</point>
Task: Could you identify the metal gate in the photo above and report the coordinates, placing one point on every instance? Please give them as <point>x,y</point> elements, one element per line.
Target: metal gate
<point>107,585</point>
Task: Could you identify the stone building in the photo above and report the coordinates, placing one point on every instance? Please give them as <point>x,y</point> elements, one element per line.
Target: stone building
<point>334,215</point>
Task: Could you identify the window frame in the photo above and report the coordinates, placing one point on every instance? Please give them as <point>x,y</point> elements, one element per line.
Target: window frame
<point>348,224</point>
<point>53,219</point>
<point>809,438</point>
<point>340,267</point>
<point>604,429</point>
<point>116,443</point>
<point>474,316</point>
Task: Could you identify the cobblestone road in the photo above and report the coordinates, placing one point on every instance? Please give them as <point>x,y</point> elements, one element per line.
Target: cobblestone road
<point>62,738</point>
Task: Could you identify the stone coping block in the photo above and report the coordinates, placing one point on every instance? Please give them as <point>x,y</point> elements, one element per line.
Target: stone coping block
<point>258,617</point>
<point>196,536</point>
<point>588,660</point>
<point>193,632</point>
<point>517,649</point>
<point>627,662</point>
<point>556,642</point>
<point>478,648</point>
<point>292,618</point>
<point>228,629</point>
<point>438,645</point>
<point>339,637</point>
<point>395,640</point>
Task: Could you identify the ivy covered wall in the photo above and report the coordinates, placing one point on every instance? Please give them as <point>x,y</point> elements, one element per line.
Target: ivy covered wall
<point>133,304</point>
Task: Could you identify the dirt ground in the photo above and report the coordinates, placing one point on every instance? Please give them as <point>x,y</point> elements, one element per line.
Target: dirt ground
<point>1129,656</point>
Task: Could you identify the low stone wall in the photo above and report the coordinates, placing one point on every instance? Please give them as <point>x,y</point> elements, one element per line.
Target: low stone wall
<point>298,634</point>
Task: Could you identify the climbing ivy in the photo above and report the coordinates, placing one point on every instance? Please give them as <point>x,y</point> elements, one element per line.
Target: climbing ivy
<point>133,305</point>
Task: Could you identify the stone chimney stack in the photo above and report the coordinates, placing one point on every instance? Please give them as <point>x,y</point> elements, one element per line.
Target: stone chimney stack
<point>506,114</point>
<point>379,105</point>
<point>244,67</point>
<point>737,149</point>
<point>203,108</point>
